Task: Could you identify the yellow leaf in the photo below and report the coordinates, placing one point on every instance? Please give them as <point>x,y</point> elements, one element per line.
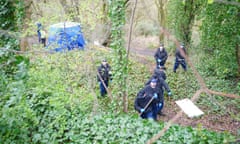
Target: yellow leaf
<point>183,2</point>
<point>210,1</point>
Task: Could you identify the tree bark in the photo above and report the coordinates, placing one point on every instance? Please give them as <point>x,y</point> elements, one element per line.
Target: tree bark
<point>161,18</point>
<point>75,4</point>
<point>238,58</point>
<point>125,97</point>
<point>190,12</point>
<point>28,12</point>
<point>106,24</point>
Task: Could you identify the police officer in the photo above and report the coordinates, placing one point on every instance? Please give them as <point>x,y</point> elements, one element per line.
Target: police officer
<point>160,72</point>
<point>180,59</point>
<point>161,56</point>
<point>161,86</point>
<point>147,95</point>
<point>104,75</point>
<point>43,37</point>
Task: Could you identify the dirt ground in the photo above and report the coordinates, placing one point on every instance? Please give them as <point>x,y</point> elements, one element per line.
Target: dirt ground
<point>210,122</point>
<point>140,46</point>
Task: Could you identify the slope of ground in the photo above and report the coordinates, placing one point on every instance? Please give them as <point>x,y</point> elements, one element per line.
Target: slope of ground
<point>216,122</point>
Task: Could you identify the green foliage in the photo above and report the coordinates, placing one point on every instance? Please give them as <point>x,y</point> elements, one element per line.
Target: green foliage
<point>124,129</point>
<point>181,16</point>
<point>54,103</point>
<point>16,117</point>
<point>220,32</point>
<point>11,15</point>
<point>120,65</point>
<point>7,14</point>
<point>183,84</point>
<point>38,108</point>
<point>50,99</point>
<point>13,68</point>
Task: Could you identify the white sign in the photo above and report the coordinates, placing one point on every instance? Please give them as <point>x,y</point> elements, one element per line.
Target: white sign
<point>189,108</point>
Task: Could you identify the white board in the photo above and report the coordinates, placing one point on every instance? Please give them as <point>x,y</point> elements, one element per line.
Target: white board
<point>189,108</point>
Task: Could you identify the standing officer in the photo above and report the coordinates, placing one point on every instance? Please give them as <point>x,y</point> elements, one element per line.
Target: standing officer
<point>161,56</point>
<point>180,59</point>
<point>104,75</point>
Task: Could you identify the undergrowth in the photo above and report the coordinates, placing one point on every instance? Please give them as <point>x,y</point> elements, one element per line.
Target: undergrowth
<point>57,101</point>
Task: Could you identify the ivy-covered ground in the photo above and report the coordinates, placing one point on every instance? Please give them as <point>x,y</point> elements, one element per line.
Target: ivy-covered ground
<point>59,103</point>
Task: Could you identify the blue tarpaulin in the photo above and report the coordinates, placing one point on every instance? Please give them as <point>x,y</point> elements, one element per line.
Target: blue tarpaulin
<point>65,36</point>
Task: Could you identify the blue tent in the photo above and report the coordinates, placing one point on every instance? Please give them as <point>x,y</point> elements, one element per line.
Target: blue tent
<point>65,36</point>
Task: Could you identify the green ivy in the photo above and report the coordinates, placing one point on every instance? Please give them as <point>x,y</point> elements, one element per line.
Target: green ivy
<point>220,32</point>
<point>181,15</point>
<point>117,17</point>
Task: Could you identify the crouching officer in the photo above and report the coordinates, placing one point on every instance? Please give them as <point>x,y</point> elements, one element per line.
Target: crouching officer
<point>161,86</point>
<point>104,75</point>
<point>146,100</point>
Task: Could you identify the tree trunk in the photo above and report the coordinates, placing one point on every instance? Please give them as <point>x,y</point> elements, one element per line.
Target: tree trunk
<point>238,58</point>
<point>28,12</point>
<point>107,26</point>
<point>190,12</point>
<point>161,18</point>
<point>75,5</point>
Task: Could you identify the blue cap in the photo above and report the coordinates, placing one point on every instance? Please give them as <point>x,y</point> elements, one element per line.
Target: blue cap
<point>154,80</point>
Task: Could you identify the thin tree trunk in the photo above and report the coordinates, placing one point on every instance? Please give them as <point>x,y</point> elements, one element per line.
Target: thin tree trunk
<point>125,97</point>
<point>190,12</point>
<point>28,12</point>
<point>106,25</point>
<point>238,58</point>
<point>75,5</point>
<point>161,19</point>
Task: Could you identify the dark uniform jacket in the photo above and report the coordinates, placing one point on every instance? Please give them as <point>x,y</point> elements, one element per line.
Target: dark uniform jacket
<point>178,54</point>
<point>143,97</point>
<point>104,72</point>
<point>160,85</point>
<point>163,55</point>
<point>160,73</point>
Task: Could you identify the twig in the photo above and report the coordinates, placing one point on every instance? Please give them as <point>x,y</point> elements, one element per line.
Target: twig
<point>147,105</point>
<point>128,51</point>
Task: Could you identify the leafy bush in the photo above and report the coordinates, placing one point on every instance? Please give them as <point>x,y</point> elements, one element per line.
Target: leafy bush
<point>220,32</point>
<point>55,106</point>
